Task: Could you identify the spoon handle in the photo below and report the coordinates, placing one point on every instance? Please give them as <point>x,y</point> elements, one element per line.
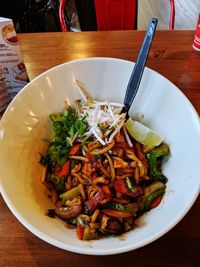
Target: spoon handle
<point>137,72</point>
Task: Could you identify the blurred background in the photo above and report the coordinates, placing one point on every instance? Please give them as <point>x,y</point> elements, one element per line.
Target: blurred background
<point>43,15</point>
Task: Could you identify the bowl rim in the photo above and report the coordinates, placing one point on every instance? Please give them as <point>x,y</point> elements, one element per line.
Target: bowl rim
<point>73,248</point>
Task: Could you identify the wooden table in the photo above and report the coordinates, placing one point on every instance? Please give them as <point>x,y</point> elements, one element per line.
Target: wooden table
<point>172,56</point>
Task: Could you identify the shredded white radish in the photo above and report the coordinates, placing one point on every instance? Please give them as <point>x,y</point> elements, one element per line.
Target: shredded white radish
<point>107,132</point>
<point>97,136</point>
<point>116,131</point>
<point>104,119</point>
<point>83,152</point>
<point>97,130</point>
<point>74,138</point>
<point>126,136</point>
<point>111,113</point>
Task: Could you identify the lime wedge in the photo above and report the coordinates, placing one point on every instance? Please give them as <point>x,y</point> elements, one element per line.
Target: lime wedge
<point>142,133</point>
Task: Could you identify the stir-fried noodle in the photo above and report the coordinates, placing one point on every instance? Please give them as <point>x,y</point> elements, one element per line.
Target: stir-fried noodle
<point>100,179</point>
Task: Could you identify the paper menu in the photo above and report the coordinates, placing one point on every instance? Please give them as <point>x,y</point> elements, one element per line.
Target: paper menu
<point>13,74</point>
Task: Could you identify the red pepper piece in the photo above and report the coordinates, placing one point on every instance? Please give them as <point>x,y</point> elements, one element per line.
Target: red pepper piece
<point>65,170</point>
<point>156,202</point>
<point>74,150</point>
<point>80,232</point>
<point>121,187</point>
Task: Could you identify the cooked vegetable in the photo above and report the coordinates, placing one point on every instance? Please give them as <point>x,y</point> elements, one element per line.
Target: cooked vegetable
<point>121,186</point>
<point>89,234</point>
<point>71,210</point>
<point>59,182</point>
<point>151,192</point>
<point>65,170</point>
<point>130,185</point>
<point>154,157</point>
<point>114,206</point>
<point>151,197</point>
<point>73,150</point>
<point>100,179</point>
<point>153,187</point>
<point>71,194</point>
<point>80,232</point>
<point>156,201</point>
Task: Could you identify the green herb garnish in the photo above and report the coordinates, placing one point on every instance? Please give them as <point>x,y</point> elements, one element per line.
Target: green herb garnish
<point>66,126</point>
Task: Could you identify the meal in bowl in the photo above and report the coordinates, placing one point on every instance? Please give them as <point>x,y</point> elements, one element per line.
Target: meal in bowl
<point>102,170</point>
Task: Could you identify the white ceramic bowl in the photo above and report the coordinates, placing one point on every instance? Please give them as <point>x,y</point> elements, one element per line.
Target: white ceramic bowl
<point>25,123</point>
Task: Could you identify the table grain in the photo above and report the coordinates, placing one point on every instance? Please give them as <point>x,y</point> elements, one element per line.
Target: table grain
<point>172,56</point>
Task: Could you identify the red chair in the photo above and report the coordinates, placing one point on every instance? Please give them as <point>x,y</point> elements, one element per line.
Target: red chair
<point>115,14</point>
<point>172,15</point>
<point>62,15</point>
